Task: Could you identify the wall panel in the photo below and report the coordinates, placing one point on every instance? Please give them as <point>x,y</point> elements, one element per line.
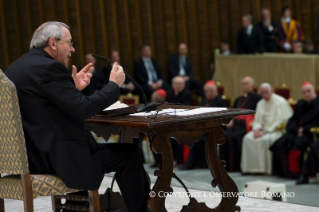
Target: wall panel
<point>99,26</point>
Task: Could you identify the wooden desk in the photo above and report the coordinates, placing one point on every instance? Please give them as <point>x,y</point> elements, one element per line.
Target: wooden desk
<point>187,129</point>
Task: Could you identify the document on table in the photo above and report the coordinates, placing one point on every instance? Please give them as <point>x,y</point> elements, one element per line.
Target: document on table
<point>181,112</point>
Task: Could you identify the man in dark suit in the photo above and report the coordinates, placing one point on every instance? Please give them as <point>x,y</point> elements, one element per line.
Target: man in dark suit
<point>230,151</point>
<point>249,38</point>
<point>180,65</point>
<point>197,156</point>
<point>53,111</point>
<point>148,73</point>
<point>269,31</point>
<point>179,93</point>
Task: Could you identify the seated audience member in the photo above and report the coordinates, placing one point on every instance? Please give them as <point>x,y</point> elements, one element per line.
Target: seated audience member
<point>212,98</point>
<point>159,96</point>
<point>310,167</point>
<point>249,38</point>
<point>224,48</point>
<point>197,155</point>
<point>271,111</point>
<point>179,94</point>
<point>53,111</point>
<point>289,29</point>
<point>309,47</point>
<point>269,31</point>
<point>297,47</point>
<point>230,151</point>
<point>148,73</point>
<point>180,65</point>
<point>97,80</point>
<point>298,136</point>
<point>128,86</point>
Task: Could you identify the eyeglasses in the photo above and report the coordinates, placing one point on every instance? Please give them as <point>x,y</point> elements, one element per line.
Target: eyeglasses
<point>65,41</point>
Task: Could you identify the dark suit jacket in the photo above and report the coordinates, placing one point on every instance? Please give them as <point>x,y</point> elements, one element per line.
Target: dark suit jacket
<point>53,113</point>
<point>305,116</point>
<point>173,67</point>
<point>141,75</point>
<point>249,103</point>
<point>184,97</point>
<point>270,43</point>
<point>215,102</point>
<point>250,44</point>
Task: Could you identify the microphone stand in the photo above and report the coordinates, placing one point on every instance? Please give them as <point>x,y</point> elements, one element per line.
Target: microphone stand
<point>143,108</point>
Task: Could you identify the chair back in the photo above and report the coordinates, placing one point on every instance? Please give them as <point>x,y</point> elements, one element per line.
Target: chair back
<point>13,154</point>
<point>129,99</point>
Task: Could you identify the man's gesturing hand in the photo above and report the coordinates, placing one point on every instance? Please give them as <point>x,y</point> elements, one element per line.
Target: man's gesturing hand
<point>82,79</point>
<point>117,75</point>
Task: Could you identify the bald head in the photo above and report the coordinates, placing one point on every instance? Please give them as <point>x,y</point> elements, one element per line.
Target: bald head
<point>178,84</point>
<point>90,59</point>
<point>308,92</point>
<point>210,91</point>
<point>182,49</point>
<point>265,91</point>
<point>247,84</point>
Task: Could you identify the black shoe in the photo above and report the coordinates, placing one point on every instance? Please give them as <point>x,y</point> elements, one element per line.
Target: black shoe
<point>303,179</point>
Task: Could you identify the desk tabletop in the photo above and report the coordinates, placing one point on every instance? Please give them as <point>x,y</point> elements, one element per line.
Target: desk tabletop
<point>162,120</point>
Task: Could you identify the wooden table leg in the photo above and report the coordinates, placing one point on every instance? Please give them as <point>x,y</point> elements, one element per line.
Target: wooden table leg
<point>221,178</point>
<point>161,145</point>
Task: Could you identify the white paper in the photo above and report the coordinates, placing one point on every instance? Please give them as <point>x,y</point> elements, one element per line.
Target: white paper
<point>181,112</point>
<point>199,111</point>
<point>116,105</point>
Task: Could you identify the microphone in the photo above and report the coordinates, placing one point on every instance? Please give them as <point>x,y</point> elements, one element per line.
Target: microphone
<point>143,108</point>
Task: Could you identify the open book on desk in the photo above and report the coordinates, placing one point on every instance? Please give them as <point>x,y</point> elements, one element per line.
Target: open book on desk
<point>118,108</point>
<point>181,112</point>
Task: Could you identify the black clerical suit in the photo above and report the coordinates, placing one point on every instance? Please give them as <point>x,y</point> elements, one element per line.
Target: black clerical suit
<point>57,139</point>
<point>174,64</point>
<point>230,151</point>
<point>141,76</point>
<point>250,44</point>
<point>197,156</point>
<point>184,97</point>
<point>306,115</point>
<point>270,37</point>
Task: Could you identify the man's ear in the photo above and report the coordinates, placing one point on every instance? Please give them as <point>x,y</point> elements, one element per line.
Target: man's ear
<point>52,43</point>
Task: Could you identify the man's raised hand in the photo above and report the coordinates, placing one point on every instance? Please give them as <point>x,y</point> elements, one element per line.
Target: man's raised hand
<point>82,79</point>
<point>117,74</point>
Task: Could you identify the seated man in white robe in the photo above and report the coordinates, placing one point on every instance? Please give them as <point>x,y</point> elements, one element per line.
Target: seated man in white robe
<point>271,111</point>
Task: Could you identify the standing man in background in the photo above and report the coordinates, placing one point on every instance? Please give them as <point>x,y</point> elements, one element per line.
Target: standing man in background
<point>180,65</point>
<point>269,31</point>
<point>249,38</point>
<point>148,73</point>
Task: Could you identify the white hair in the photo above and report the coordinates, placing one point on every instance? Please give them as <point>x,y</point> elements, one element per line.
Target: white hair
<point>43,33</point>
<point>179,78</point>
<point>267,85</point>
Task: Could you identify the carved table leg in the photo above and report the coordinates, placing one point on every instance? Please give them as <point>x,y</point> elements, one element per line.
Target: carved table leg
<point>161,145</point>
<point>221,178</point>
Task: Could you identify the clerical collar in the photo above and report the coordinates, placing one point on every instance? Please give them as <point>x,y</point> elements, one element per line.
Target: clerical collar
<point>287,20</point>
<point>227,52</point>
<point>245,95</point>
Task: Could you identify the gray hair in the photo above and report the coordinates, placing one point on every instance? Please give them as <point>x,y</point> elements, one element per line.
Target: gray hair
<point>267,85</point>
<point>179,78</point>
<point>43,33</point>
<point>249,17</point>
